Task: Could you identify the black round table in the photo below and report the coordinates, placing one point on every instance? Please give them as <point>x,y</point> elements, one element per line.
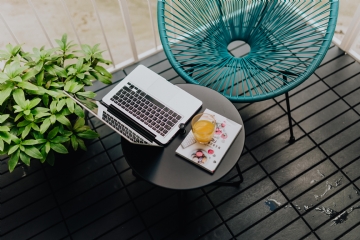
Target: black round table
<point>163,167</point>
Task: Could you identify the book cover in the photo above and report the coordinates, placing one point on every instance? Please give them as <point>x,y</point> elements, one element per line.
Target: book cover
<point>208,156</point>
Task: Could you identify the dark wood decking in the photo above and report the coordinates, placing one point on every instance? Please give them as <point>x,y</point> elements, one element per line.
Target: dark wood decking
<point>96,195</point>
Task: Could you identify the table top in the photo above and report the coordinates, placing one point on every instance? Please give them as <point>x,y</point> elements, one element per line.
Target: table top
<point>163,167</point>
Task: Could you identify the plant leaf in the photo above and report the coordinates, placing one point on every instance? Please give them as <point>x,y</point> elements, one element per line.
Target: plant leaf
<point>3,117</point>
<point>40,110</point>
<point>58,147</point>
<point>100,77</point>
<point>61,44</point>
<point>76,88</point>
<point>3,77</point>
<point>47,147</point>
<point>79,63</point>
<point>74,142</point>
<point>17,79</point>
<point>88,134</point>
<point>14,138</point>
<point>82,129</point>
<point>79,123</point>
<point>50,69</point>
<point>1,145</point>
<point>68,85</point>
<point>26,131</point>
<point>6,137</point>
<point>53,106</point>
<point>18,116</point>
<point>42,114</point>
<point>23,123</point>
<point>60,71</point>
<point>13,148</point>
<point>66,133</point>
<point>60,105</point>
<point>63,120</point>
<point>53,93</point>
<point>13,160</point>
<point>80,75</point>
<point>107,62</point>
<point>59,139</point>
<point>39,65</point>
<point>65,112</point>
<point>19,98</point>
<point>35,127</point>
<point>34,102</point>
<point>45,99</point>
<point>52,119</point>
<point>4,94</point>
<point>4,129</point>
<point>87,94</point>
<point>45,125</point>
<point>64,39</point>
<point>57,84</point>
<point>81,144</point>
<point>27,85</point>
<point>86,48</point>
<point>90,104</point>
<point>44,154</point>
<point>33,141</point>
<point>39,78</point>
<point>79,111</point>
<point>53,133</point>
<point>103,71</point>
<point>33,152</point>
<point>37,135</point>
<point>29,74</point>
<point>25,158</point>
<point>29,117</point>
<point>70,104</point>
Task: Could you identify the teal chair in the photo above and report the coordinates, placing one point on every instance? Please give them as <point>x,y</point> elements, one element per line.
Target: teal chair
<point>288,39</point>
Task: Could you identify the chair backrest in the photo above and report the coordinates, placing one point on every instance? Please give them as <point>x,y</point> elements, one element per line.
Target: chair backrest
<point>288,38</point>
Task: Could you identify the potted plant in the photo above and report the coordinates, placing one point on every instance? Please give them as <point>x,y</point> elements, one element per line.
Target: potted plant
<point>37,119</point>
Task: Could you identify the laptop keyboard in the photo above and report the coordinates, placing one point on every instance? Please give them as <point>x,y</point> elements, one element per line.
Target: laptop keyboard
<point>147,109</point>
<point>126,131</point>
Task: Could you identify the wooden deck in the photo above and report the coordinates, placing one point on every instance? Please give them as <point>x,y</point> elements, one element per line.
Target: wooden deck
<point>96,195</point>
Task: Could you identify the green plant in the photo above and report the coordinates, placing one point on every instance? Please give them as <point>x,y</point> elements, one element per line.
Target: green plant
<point>37,119</point>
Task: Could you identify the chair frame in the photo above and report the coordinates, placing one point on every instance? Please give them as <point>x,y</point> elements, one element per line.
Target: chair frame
<point>287,85</point>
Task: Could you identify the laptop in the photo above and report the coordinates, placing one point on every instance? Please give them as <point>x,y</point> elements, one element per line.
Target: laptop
<point>145,108</point>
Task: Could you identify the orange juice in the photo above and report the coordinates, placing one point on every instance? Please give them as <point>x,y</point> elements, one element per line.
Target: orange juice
<point>203,131</point>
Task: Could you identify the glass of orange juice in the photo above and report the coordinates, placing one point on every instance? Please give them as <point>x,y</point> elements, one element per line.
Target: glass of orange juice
<point>203,127</point>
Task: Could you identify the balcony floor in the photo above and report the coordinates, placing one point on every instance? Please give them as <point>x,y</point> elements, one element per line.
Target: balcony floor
<point>96,195</point>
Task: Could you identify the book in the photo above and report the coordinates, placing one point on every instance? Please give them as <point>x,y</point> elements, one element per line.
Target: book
<point>208,156</point>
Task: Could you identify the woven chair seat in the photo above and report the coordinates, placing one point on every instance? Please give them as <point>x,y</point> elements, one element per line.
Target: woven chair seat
<point>287,39</point>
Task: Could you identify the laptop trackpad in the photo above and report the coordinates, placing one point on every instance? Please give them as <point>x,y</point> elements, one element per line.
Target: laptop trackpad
<point>162,90</point>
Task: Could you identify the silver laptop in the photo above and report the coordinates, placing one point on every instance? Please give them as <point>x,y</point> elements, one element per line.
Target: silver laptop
<point>145,108</point>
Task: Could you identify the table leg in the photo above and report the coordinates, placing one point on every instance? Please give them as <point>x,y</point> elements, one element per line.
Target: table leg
<point>232,183</point>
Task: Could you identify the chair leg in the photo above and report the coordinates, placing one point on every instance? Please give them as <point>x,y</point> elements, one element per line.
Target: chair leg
<point>292,138</point>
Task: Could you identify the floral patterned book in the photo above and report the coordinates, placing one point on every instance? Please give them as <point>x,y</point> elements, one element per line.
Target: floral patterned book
<point>210,155</point>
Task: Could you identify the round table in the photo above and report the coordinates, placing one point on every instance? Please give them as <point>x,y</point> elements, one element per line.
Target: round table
<point>163,167</point>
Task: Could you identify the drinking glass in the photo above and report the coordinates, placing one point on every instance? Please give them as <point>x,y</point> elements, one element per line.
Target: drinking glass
<point>203,127</point>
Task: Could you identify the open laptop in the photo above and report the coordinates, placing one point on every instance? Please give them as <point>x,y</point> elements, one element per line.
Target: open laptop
<point>145,108</point>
